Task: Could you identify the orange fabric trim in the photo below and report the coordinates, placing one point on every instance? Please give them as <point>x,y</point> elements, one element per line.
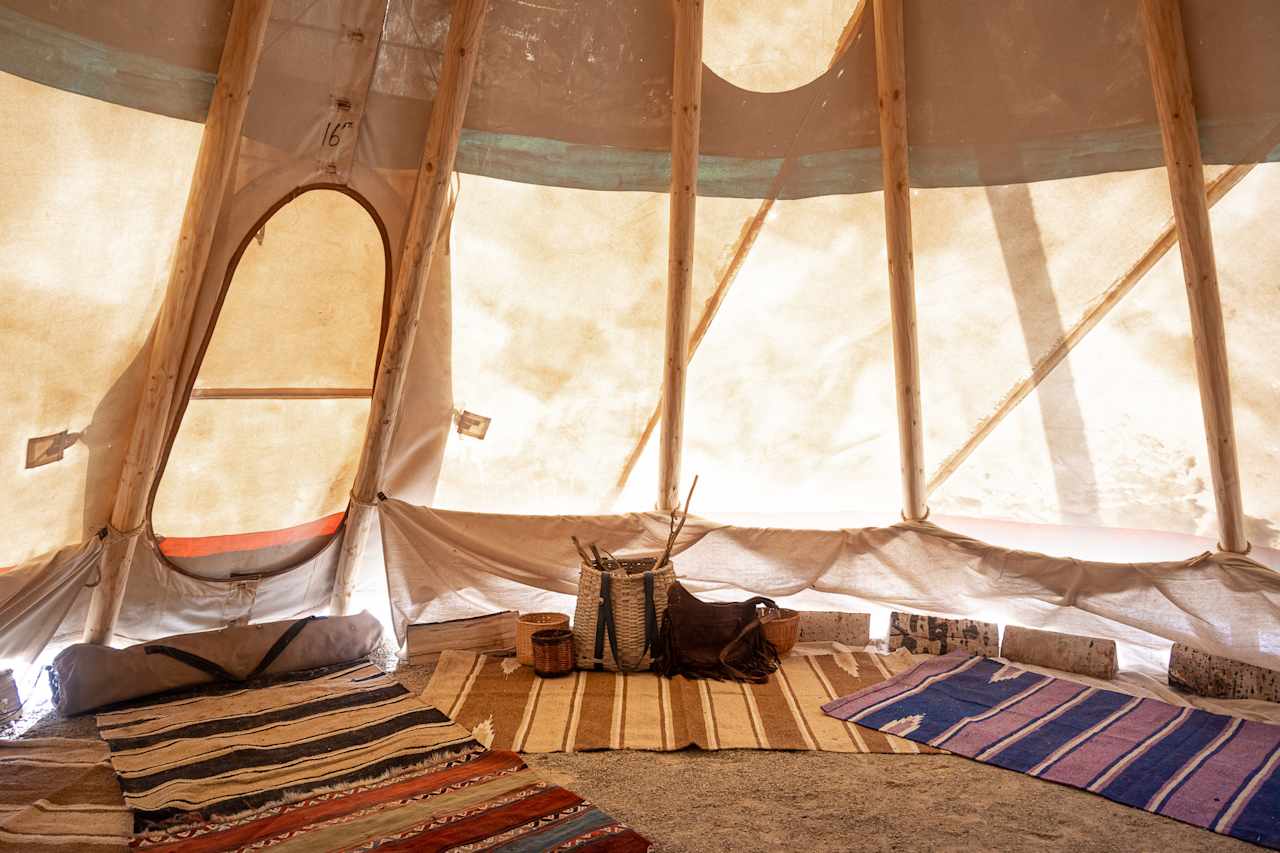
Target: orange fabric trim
<point>207,546</point>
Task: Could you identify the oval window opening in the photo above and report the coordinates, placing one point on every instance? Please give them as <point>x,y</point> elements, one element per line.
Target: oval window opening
<point>767,46</point>
<point>269,442</point>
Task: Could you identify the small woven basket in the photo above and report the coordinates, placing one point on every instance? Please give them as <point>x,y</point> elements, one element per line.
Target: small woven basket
<point>552,652</point>
<point>529,624</point>
<point>781,628</point>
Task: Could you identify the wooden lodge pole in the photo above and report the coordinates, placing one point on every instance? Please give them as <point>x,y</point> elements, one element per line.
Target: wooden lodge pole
<point>891,84</point>
<point>1171,82</point>
<point>742,247</point>
<point>215,164</point>
<point>426,213</point>
<point>686,122</point>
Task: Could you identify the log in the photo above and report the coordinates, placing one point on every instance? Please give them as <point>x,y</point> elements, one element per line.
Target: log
<point>10,703</point>
<point>1221,678</point>
<point>1179,135</point>
<point>686,123</point>
<point>934,635</point>
<point>891,85</point>
<point>849,629</point>
<point>215,165</point>
<point>494,633</point>
<point>422,239</point>
<point>1067,652</point>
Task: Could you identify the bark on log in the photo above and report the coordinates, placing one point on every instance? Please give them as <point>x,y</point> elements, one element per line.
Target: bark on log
<point>934,635</point>
<point>1067,652</point>
<point>850,629</point>
<point>1221,678</point>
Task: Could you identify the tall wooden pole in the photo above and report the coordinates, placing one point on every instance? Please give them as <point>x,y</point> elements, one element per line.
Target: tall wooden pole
<point>422,232</point>
<point>215,163</point>
<point>1171,81</point>
<point>686,125</point>
<point>891,84</point>
<point>751,229</point>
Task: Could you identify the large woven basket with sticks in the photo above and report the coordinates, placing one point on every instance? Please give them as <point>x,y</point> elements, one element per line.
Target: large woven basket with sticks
<point>621,603</point>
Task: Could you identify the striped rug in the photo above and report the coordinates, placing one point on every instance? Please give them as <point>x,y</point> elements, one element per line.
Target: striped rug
<point>1209,770</point>
<point>506,706</point>
<point>60,794</point>
<point>477,801</point>
<point>226,754</point>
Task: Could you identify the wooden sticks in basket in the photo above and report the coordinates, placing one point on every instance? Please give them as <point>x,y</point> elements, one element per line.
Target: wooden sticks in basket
<point>675,530</point>
<point>606,562</point>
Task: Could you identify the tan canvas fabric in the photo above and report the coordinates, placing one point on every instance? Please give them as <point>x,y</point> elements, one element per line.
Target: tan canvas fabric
<point>36,596</point>
<point>89,214</point>
<point>581,103</point>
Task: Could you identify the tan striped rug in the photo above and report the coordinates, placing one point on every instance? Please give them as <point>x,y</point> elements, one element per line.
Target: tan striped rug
<point>229,753</point>
<point>506,706</point>
<point>60,794</point>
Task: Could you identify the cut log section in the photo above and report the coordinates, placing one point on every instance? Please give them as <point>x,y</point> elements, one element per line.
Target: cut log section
<point>849,629</point>
<point>1221,678</point>
<point>934,635</point>
<point>10,704</point>
<point>494,633</point>
<point>1067,652</point>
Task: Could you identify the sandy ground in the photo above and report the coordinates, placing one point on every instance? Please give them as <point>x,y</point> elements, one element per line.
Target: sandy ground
<point>742,799</point>
<point>819,801</point>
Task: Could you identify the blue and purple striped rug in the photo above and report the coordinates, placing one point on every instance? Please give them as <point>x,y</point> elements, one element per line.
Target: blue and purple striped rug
<point>1210,770</point>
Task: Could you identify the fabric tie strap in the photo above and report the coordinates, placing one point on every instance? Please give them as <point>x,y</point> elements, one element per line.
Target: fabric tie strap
<point>218,672</point>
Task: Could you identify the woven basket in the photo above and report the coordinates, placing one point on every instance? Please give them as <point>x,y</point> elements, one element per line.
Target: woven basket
<point>631,620</point>
<point>552,652</point>
<point>528,624</point>
<point>782,629</point>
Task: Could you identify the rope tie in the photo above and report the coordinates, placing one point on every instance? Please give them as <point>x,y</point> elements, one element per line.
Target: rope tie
<point>116,535</point>
<point>366,504</point>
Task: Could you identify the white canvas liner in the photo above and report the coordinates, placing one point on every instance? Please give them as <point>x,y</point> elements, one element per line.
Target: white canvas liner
<point>1034,195</point>
<point>449,565</point>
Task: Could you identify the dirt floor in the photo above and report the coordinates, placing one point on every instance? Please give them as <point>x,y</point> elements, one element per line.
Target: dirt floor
<point>695,802</point>
<point>816,801</point>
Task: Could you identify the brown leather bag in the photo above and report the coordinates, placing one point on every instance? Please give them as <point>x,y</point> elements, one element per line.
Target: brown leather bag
<point>701,639</point>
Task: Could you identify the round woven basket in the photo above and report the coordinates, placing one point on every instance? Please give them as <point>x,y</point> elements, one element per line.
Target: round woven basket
<point>527,625</point>
<point>552,652</point>
<point>783,630</point>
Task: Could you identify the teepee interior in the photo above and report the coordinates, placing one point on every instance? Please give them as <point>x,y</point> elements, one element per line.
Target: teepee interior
<point>338,331</point>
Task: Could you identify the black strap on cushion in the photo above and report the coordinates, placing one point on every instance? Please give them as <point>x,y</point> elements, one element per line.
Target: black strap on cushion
<point>207,666</point>
<point>195,661</point>
<point>279,646</point>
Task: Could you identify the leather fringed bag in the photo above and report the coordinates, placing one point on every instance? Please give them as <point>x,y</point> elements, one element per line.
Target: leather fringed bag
<point>700,639</point>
